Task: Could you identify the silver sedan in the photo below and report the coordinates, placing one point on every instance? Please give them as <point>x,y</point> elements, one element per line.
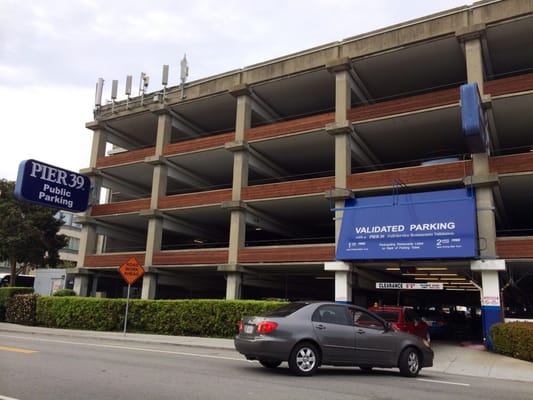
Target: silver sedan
<point>310,334</point>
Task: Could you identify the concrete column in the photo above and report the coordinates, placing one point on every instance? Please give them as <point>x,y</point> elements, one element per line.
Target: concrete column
<point>233,285</point>
<point>149,284</point>
<point>342,131</point>
<point>343,280</point>
<point>99,143</point>
<point>237,236</point>
<point>474,63</point>
<point>485,206</point>
<point>154,236</point>
<point>81,284</point>
<point>470,38</point>
<point>483,180</point>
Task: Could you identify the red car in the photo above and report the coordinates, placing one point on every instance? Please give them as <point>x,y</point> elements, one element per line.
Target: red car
<point>404,319</point>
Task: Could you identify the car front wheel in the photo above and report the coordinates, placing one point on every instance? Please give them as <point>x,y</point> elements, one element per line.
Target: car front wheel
<point>304,359</point>
<point>409,362</point>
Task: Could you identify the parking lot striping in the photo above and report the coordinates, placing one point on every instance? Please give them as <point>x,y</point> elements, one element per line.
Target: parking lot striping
<point>443,382</point>
<point>110,346</point>
<point>7,398</point>
<point>17,350</point>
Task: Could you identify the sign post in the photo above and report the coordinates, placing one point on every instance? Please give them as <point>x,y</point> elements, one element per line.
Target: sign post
<point>130,271</point>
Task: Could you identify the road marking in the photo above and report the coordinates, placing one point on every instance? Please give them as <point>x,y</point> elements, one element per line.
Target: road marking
<point>7,398</point>
<point>110,346</point>
<point>17,350</point>
<point>444,382</point>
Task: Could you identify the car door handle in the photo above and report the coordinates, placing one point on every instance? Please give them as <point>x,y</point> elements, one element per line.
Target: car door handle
<point>320,326</point>
<point>360,331</point>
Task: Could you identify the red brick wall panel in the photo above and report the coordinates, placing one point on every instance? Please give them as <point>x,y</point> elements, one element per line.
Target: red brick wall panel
<point>522,162</point>
<point>412,175</point>
<point>120,207</point>
<point>111,260</point>
<point>195,199</point>
<point>514,84</point>
<point>285,189</point>
<point>514,248</point>
<point>191,257</point>
<point>404,105</point>
<point>125,157</point>
<point>203,143</point>
<point>318,253</point>
<point>288,127</point>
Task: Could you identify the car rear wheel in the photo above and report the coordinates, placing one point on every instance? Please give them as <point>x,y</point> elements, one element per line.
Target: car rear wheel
<point>409,362</point>
<point>304,359</point>
<point>269,363</point>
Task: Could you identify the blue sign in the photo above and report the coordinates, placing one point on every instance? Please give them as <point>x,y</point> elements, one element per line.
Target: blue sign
<point>475,128</point>
<point>440,224</point>
<point>51,186</point>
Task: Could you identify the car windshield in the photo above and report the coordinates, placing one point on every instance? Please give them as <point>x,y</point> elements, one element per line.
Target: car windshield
<point>285,310</point>
<point>390,316</point>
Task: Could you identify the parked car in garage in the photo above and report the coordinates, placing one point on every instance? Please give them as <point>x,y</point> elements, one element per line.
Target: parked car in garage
<point>404,319</point>
<point>310,334</point>
<point>437,322</point>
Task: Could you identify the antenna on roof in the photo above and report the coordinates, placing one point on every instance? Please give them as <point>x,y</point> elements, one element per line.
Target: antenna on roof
<point>98,95</point>
<point>114,89</point>
<point>143,85</point>
<point>184,73</point>
<point>128,89</point>
<point>99,89</point>
<point>164,80</point>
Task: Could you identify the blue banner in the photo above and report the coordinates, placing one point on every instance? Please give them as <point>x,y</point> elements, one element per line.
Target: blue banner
<point>440,224</point>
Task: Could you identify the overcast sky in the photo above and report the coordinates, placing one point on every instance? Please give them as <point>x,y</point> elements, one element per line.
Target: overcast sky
<point>53,51</point>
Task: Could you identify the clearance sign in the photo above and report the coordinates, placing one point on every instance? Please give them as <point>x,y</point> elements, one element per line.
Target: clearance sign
<point>439,224</point>
<point>410,285</point>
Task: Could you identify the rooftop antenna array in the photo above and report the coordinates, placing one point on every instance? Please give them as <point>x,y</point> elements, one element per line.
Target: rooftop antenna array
<point>143,87</point>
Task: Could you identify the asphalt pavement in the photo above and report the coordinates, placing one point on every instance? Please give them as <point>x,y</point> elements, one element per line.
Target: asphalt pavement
<point>452,358</point>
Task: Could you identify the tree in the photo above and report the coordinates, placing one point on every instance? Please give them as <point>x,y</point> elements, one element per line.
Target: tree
<point>28,232</point>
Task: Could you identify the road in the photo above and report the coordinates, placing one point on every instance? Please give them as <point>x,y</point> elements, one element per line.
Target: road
<point>42,367</point>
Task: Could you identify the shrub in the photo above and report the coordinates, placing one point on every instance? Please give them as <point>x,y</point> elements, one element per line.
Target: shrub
<point>64,292</point>
<point>21,309</point>
<point>514,339</point>
<point>208,318</point>
<point>6,295</point>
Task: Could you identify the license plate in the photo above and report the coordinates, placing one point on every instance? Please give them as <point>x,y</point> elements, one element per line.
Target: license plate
<point>248,328</point>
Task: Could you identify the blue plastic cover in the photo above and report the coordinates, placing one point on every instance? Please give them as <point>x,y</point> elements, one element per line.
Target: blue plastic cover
<point>473,119</point>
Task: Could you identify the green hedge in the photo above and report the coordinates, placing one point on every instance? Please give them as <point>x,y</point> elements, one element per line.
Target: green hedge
<point>6,295</point>
<point>207,318</point>
<point>514,339</point>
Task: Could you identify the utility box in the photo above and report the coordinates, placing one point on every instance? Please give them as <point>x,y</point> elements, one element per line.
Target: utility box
<point>49,281</point>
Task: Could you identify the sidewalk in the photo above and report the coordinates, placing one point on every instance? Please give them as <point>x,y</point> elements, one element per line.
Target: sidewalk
<point>450,358</point>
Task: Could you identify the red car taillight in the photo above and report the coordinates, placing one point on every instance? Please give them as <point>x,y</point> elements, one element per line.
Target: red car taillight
<point>241,325</point>
<point>266,327</point>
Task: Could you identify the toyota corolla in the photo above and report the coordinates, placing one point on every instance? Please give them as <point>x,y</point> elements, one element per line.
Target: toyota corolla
<point>310,334</point>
